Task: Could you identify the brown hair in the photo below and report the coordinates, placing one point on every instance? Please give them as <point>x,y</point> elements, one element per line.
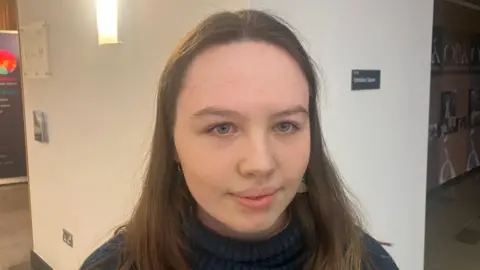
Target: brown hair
<point>154,238</point>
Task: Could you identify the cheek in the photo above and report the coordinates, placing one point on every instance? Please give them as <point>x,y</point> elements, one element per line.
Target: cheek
<point>207,186</point>
<point>204,168</point>
<point>207,168</point>
<point>203,188</point>
<point>294,158</point>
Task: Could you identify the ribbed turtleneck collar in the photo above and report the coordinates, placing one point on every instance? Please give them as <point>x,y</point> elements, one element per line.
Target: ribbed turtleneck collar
<point>211,251</point>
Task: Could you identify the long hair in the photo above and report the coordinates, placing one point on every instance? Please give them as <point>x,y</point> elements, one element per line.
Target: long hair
<point>154,239</point>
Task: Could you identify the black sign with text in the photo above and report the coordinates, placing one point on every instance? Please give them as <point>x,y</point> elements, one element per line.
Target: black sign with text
<point>365,79</point>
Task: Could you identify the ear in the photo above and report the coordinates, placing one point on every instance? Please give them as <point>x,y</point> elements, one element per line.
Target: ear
<point>303,187</point>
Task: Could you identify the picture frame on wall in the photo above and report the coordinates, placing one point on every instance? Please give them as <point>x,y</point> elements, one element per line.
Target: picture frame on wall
<point>474,107</point>
<point>448,113</point>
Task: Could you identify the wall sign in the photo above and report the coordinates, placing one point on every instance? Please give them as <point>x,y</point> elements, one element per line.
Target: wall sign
<point>365,79</point>
<point>35,50</point>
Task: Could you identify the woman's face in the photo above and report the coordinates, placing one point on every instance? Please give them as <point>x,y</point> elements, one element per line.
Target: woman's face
<point>242,135</point>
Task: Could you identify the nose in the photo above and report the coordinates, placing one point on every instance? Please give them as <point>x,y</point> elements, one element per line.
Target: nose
<point>258,159</point>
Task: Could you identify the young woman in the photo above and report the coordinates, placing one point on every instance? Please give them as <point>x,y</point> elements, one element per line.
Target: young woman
<point>239,177</point>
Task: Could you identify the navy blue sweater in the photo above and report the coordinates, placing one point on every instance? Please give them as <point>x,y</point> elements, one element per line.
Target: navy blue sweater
<point>285,251</point>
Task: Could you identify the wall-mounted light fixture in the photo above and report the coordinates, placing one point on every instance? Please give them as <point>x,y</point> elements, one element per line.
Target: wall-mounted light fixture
<point>107,21</point>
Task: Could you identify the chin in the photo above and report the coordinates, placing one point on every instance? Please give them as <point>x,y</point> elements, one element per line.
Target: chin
<point>254,226</point>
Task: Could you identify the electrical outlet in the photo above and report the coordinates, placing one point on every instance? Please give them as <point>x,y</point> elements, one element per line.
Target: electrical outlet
<point>68,238</point>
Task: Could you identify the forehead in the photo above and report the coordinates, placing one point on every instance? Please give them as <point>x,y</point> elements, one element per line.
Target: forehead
<point>243,74</point>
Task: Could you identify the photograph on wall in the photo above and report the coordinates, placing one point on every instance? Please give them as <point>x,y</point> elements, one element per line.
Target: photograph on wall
<point>474,107</point>
<point>448,117</point>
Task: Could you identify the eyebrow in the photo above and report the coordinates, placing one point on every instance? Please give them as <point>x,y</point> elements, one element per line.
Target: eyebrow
<point>216,111</point>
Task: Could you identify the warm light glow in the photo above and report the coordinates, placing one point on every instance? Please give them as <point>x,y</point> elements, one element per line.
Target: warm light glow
<point>107,21</point>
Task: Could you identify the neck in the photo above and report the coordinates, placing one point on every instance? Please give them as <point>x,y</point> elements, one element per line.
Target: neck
<point>217,247</point>
<point>223,230</point>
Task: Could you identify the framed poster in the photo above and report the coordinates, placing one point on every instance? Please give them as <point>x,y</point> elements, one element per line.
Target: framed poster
<point>12,127</point>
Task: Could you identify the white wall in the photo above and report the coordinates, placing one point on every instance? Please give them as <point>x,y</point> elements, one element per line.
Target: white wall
<point>99,104</point>
<point>377,138</point>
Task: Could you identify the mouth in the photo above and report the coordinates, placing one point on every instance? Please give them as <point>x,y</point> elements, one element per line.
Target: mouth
<point>256,200</point>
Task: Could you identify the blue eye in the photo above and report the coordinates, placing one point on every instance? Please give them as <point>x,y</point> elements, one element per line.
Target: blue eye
<point>286,127</point>
<point>223,129</point>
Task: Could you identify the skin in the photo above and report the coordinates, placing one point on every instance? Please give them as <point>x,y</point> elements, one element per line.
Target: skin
<point>242,128</point>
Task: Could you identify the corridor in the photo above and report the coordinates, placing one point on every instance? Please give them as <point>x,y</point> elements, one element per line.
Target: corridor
<point>452,236</point>
<point>15,227</point>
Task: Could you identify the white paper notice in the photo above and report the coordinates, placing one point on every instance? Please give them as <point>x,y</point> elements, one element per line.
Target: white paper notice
<point>34,48</point>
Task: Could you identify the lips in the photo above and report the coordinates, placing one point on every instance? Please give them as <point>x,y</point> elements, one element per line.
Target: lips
<point>257,200</point>
<point>257,197</point>
<point>256,193</point>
